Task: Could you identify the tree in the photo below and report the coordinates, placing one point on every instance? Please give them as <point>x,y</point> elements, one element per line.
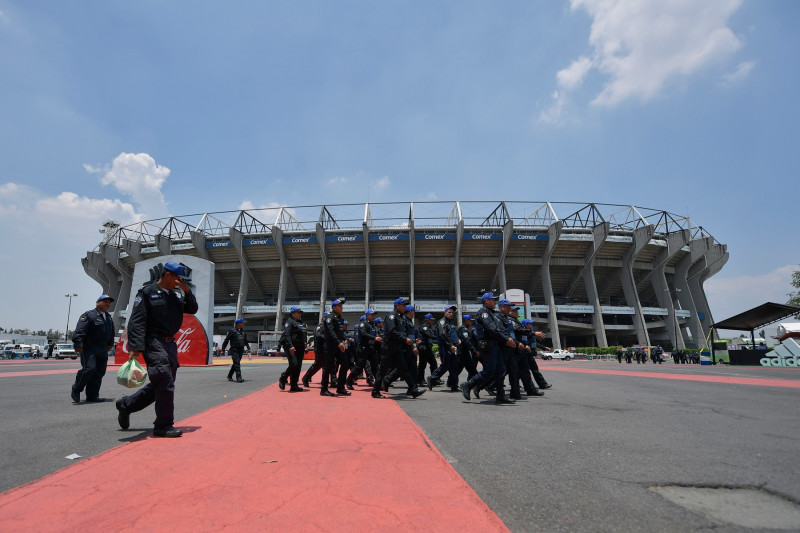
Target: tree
<point>794,297</point>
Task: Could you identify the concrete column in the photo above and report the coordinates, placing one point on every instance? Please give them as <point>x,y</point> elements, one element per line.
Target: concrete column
<point>599,235</point>
<point>368,271</point>
<point>641,236</point>
<point>553,232</point>
<point>697,250</point>
<point>665,294</point>
<point>499,279</point>
<point>712,262</point>
<point>133,249</point>
<point>244,280</point>
<point>457,268</point>
<point>412,251</point>
<point>277,236</point>
<point>111,255</point>
<point>164,244</point>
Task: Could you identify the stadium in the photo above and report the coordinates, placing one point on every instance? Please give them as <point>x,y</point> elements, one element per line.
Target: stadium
<point>589,274</point>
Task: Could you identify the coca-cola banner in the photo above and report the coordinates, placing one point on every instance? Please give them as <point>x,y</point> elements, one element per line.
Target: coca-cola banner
<point>194,337</point>
<point>191,339</point>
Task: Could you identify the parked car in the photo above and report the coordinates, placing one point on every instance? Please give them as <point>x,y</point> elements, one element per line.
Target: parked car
<point>557,354</point>
<point>62,351</point>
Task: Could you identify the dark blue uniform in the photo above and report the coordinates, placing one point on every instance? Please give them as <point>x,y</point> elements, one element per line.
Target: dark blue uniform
<point>334,335</point>
<point>466,351</point>
<point>365,335</point>
<point>156,317</point>
<point>447,338</point>
<point>238,340</point>
<point>393,354</point>
<point>426,357</point>
<point>95,335</point>
<point>490,332</point>
<point>319,353</point>
<point>294,336</point>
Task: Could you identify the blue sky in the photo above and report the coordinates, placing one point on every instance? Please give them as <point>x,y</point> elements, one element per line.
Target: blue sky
<point>135,110</point>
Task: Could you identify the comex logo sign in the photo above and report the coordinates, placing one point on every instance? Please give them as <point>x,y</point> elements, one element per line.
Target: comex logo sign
<point>388,237</point>
<point>301,239</point>
<point>347,238</point>
<point>434,237</point>
<point>481,236</point>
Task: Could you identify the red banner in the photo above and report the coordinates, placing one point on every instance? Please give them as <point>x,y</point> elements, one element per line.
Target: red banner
<point>191,340</point>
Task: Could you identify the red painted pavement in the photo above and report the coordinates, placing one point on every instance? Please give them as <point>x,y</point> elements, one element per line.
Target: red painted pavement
<point>764,382</point>
<point>36,373</point>
<point>271,461</point>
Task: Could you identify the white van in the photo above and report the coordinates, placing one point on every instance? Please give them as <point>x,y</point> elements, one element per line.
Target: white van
<point>62,351</point>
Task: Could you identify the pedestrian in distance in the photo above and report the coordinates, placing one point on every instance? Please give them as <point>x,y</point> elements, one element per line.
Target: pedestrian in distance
<point>92,339</point>
<point>238,340</point>
<point>157,316</point>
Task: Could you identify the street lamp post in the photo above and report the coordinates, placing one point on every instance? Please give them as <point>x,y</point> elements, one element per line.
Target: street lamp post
<point>69,309</point>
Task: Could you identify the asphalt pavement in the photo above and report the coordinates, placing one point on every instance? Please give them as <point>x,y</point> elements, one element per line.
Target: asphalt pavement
<point>593,454</point>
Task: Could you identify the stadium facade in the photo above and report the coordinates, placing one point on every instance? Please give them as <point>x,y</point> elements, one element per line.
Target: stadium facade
<point>593,274</point>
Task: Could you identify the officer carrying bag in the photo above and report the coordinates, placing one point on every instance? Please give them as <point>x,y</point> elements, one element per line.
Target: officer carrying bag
<point>131,374</point>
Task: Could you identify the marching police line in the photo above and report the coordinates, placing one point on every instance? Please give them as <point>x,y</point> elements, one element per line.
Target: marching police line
<point>384,351</point>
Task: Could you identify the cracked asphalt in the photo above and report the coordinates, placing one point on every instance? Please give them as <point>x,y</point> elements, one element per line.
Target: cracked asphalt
<point>581,458</point>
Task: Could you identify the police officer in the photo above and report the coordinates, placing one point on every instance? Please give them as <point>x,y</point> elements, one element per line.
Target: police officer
<point>466,350</point>
<point>367,337</point>
<point>510,353</point>
<point>447,338</point>
<point>319,352</point>
<point>393,352</point>
<point>629,355</point>
<point>335,350</point>
<point>491,335</point>
<point>619,354</point>
<point>293,341</point>
<point>93,338</point>
<point>427,336</point>
<point>156,317</point>
<point>532,341</point>
<point>238,340</point>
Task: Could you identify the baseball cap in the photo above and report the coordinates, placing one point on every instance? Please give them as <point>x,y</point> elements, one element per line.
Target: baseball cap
<point>453,307</point>
<point>503,302</point>
<point>104,297</point>
<point>403,301</point>
<point>410,308</point>
<point>429,316</point>
<point>337,302</point>
<point>294,309</point>
<point>363,318</point>
<point>369,311</point>
<point>488,296</point>
<point>175,268</point>
<point>515,308</point>
<point>527,321</point>
<point>239,321</point>
<point>378,320</point>
<point>467,317</point>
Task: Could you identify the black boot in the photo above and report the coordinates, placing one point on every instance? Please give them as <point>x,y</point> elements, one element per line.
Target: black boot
<point>500,397</point>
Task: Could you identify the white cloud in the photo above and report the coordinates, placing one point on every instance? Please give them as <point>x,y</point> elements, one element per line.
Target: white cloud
<point>573,75</point>
<point>337,181</point>
<point>742,71</point>
<point>381,183</point>
<point>641,46</point>
<point>138,176</point>
<point>732,295</point>
<point>555,112</point>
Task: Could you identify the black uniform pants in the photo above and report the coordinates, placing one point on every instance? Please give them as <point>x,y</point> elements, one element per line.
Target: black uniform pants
<point>534,366</point>
<point>512,369</point>
<point>394,357</point>
<point>236,367</point>
<point>363,357</point>
<point>292,372</point>
<point>494,369</point>
<point>319,362</point>
<point>446,366</point>
<point>94,360</point>
<point>162,367</point>
<point>332,358</point>
<point>426,358</point>
<point>465,360</point>
<point>523,363</point>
